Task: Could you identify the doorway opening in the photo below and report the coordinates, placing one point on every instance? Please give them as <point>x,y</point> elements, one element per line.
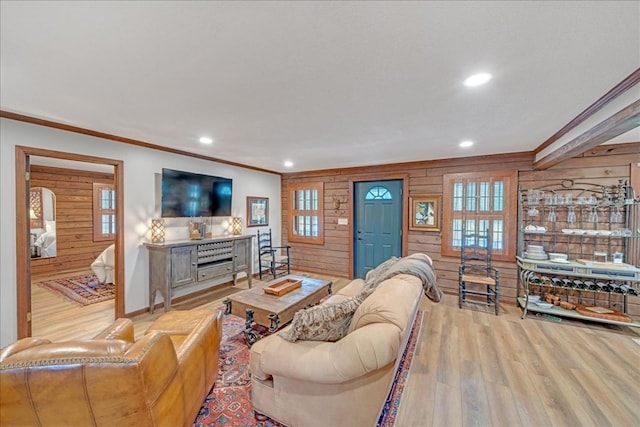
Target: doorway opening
<point>24,155</point>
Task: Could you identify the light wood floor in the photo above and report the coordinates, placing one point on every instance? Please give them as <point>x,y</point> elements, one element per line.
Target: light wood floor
<point>55,317</point>
<point>472,368</point>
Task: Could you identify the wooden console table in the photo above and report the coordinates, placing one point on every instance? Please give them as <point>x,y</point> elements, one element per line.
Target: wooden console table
<point>179,263</point>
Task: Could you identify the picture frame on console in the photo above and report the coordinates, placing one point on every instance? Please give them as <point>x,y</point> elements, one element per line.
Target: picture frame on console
<point>424,212</point>
<point>257,211</point>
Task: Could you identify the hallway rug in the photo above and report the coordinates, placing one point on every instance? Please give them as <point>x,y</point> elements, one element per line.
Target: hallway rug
<point>83,289</point>
<point>229,403</point>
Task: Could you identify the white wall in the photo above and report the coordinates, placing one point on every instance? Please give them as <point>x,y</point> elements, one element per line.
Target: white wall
<point>141,166</point>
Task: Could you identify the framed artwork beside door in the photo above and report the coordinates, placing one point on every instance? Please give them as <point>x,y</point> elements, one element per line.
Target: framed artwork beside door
<point>424,212</point>
<point>257,211</point>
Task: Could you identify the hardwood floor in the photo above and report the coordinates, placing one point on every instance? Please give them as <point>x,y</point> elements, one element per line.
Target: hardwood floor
<point>474,368</point>
<point>55,317</point>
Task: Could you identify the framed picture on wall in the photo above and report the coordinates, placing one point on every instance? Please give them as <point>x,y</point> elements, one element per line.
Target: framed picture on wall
<point>424,213</point>
<point>257,211</point>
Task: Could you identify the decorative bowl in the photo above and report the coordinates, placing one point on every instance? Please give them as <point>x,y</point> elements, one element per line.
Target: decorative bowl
<point>544,304</point>
<point>567,231</point>
<point>534,298</point>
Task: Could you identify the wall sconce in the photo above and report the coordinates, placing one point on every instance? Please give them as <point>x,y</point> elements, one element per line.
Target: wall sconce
<point>236,225</point>
<point>157,230</point>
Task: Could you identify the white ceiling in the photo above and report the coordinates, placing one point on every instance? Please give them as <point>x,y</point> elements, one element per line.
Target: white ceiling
<point>323,84</point>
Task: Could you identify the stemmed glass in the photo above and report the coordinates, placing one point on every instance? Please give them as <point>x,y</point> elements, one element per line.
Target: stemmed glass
<point>593,215</point>
<point>616,215</point>
<point>552,214</point>
<point>571,216</point>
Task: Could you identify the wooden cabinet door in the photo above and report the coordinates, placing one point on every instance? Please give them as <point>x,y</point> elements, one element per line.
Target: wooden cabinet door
<point>183,266</point>
<point>241,254</point>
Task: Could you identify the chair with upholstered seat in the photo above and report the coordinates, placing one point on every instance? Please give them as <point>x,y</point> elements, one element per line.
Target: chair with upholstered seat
<point>476,276</point>
<point>275,259</point>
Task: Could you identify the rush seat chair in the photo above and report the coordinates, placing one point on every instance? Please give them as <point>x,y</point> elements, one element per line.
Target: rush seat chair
<point>275,259</point>
<point>476,276</point>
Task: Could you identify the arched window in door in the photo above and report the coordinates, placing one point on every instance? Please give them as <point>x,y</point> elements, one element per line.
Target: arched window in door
<point>378,193</point>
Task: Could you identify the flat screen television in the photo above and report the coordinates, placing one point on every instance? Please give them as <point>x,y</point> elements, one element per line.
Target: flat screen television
<point>186,194</point>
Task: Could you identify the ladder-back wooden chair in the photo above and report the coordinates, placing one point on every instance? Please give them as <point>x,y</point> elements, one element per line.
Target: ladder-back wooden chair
<point>476,276</point>
<point>275,259</point>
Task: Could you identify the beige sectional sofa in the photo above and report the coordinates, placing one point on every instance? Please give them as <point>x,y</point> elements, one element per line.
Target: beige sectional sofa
<point>346,382</point>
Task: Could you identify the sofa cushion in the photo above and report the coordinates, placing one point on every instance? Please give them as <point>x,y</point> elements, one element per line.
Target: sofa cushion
<point>353,288</point>
<point>325,322</point>
<point>392,302</point>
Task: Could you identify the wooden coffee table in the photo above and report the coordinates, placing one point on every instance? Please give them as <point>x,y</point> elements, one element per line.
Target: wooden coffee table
<point>275,311</point>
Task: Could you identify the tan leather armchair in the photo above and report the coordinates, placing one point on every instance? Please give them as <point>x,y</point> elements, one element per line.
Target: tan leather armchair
<point>160,380</point>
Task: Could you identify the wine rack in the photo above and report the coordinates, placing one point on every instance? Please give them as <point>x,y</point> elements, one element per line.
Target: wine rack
<point>579,242</point>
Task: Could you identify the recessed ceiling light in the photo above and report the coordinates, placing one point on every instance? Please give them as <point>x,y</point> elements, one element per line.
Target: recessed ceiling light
<point>288,164</point>
<point>478,79</point>
<point>466,144</point>
<point>206,140</point>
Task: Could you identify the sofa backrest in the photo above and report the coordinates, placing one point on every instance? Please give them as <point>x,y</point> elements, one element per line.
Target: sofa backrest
<point>394,301</point>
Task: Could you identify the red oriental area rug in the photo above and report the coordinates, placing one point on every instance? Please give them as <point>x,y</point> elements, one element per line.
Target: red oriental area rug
<point>229,403</point>
<point>84,289</point>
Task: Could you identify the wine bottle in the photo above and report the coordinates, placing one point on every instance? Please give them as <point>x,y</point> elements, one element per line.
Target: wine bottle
<point>577,283</point>
<point>626,289</point>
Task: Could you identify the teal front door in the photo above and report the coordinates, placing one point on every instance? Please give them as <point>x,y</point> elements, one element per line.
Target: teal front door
<point>377,224</point>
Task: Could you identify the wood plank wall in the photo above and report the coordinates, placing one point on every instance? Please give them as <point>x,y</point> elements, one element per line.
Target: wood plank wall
<point>76,249</point>
<point>604,164</point>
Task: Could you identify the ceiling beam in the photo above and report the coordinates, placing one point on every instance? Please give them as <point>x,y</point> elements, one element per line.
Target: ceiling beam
<point>623,121</point>
<point>630,81</point>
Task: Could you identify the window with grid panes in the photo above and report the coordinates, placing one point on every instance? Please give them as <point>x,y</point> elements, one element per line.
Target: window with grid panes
<point>306,212</point>
<point>104,212</point>
<point>480,202</point>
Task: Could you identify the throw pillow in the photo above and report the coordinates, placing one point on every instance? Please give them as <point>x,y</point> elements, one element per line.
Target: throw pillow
<point>324,322</point>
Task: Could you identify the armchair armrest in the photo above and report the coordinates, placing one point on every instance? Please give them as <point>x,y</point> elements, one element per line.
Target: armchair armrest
<point>21,345</point>
<point>121,329</point>
<point>68,352</point>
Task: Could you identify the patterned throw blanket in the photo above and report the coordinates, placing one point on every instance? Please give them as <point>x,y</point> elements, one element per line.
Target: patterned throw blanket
<point>418,265</point>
